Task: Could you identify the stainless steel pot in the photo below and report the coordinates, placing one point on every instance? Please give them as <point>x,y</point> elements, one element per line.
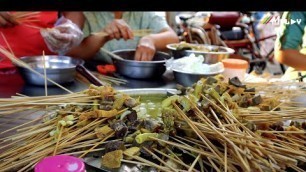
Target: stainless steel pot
<point>214,55</point>
<point>127,66</point>
<point>61,69</point>
<point>188,79</point>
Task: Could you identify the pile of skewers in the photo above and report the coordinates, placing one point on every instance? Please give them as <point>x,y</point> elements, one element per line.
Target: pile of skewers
<point>23,17</point>
<point>218,125</point>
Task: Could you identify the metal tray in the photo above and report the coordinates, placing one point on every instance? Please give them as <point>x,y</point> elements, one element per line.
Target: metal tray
<point>150,91</point>
<point>94,164</point>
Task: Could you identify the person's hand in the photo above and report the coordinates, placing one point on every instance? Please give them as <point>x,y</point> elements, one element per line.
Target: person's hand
<point>63,36</point>
<point>7,20</point>
<point>119,29</point>
<point>145,50</point>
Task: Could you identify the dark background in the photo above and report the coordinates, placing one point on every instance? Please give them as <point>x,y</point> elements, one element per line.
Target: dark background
<point>154,5</point>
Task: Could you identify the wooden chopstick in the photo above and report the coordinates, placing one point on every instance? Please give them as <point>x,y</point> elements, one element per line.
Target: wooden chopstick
<point>138,33</point>
<point>111,53</point>
<point>34,27</point>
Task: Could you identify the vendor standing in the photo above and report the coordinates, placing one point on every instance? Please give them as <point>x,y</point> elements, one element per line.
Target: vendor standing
<point>290,45</point>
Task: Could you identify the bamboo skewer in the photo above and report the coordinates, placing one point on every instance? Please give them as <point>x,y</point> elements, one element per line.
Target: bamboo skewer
<point>225,157</point>
<point>237,149</point>
<point>21,63</point>
<point>203,138</point>
<point>97,144</point>
<point>134,162</point>
<point>11,129</point>
<point>43,100</point>
<point>160,160</point>
<point>45,74</point>
<point>185,147</point>
<point>21,15</point>
<point>110,79</point>
<point>85,151</point>
<point>177,160</point>
<point>230,145</point>
<point>147,162</point>
<point>8,45</point>
<point>58,139</point>
<point>110,53</point>
<point>194,163</point>
<point>137,33</point>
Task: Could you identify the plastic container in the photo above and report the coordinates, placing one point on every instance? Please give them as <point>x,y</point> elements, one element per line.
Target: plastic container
<point>235,67</point>
<point>60,163</point>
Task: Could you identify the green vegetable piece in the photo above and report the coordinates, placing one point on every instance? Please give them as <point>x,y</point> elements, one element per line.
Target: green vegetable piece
<point>145,137</point>
<point>193,98</point>
<point>185,103</point>
<point>69,118</point>
<point>168,101</point>
<point>213,93</point>
<point>128,139</point>
<point>132,151</point>
<point>211,80</point>
<point>226,97</point>
<point>198,89</point>
<point>69,123</point>
<point>119,101</point>
<point>95,107</point>
<point>62,122</point>
<point>236,98</point>
<point>168,117</point>
<point>52,133</point>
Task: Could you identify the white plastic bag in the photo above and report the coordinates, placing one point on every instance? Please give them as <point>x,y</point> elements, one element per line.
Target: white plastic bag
<point>63,36</point>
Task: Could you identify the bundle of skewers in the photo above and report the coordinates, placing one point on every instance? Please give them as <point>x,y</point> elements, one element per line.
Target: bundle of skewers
<point>24,17</point>
<point>213,125</point>
<point>105,79</point>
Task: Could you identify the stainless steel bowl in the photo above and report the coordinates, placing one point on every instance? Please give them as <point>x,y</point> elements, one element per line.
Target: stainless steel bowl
<point>210,57</point>
<point>188,79</point>
<point>61,69</point>
<point>128,67</point>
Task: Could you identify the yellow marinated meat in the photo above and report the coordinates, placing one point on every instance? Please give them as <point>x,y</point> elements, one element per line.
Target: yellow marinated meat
<point>132,151</point>
<point>98,114</point>
<point>103,131</point>
<point>119,101</point>
<point>112,159</point>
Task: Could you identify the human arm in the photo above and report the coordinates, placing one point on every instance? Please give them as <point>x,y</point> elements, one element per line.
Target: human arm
<point>76,17</point>
<point>291,57</point>
<point>117,29</point>
<point>90,45</point>
<point>148,45</point>
<point>164,35</point>
<point>290,40</point>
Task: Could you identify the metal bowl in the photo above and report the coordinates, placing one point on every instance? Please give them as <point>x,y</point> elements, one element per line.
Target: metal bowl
<point>60,69</point>
<point>214,55</point>
<point>188,79</point>
<point>128,67</point>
